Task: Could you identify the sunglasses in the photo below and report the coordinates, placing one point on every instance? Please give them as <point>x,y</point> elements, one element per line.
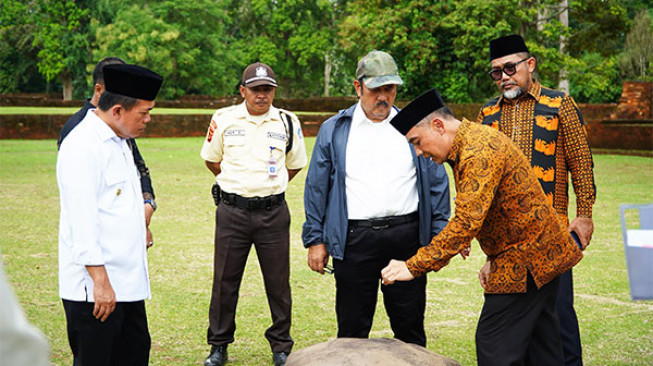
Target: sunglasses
<point>510,69</point>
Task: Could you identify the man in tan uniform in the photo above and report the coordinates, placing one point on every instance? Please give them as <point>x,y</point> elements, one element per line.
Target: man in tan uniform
<point>253,149</point>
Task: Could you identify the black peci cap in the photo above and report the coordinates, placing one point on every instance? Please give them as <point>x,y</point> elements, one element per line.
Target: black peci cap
<point>507,45</point>
<point>132,81</point>
<point>416,110</point>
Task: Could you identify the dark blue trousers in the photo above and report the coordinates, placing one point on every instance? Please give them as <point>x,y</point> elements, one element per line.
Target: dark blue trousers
<point>569,332</point>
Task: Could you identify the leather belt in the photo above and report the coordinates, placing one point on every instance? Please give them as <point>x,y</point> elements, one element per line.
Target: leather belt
<point>384,222</point>
<point>252,203</point>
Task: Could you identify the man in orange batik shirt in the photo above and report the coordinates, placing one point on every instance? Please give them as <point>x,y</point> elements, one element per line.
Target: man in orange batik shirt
<point>500,202</point>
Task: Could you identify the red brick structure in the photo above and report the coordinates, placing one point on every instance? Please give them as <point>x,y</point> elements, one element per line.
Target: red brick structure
<point>624,126</point>
<point>636,102</point>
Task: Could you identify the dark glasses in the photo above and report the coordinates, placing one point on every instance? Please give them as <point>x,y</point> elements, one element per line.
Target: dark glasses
<point>510,69</point>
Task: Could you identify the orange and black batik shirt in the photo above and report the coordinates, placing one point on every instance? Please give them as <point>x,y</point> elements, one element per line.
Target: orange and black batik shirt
<point>548,128</point>
<point>500,202</point>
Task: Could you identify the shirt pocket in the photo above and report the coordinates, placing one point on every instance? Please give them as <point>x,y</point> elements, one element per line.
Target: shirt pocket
<point>117,188</point>
<point>278,148</point>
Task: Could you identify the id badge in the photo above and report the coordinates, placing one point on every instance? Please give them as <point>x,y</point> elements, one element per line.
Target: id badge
<point>272,168</point>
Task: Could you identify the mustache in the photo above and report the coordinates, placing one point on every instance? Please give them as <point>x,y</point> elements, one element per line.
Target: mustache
<point>508,82</point>
<point>382,103</point>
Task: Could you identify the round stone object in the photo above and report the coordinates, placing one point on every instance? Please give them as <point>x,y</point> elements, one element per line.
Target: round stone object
<point>367,352</point>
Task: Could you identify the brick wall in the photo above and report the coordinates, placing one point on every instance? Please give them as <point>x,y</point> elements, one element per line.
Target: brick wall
<point>604,128</point>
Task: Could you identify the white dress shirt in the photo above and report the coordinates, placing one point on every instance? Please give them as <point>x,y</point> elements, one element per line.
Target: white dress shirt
<point>102,217</point>
<point>381,177</point>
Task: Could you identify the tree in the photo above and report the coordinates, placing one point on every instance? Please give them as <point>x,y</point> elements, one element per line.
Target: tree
<point>411,31</point>
<point>61,37</point>
<point>18,70</point>
<point>183,41</point>
<point>294,37</point>
<point>636,59</point>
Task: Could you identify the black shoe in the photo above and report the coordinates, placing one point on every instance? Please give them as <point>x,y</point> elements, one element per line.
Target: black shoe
<point>218,356</point>
<point>279,358</point>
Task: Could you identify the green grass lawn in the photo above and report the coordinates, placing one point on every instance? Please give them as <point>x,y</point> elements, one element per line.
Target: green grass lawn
<point>614,330</point>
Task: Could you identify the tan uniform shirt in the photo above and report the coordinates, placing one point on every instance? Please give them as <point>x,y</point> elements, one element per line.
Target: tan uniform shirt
<point>244,145</point>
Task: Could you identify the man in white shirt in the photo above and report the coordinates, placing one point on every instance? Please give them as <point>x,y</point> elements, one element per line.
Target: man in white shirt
<point>103,279</point>
<point>368,199</point>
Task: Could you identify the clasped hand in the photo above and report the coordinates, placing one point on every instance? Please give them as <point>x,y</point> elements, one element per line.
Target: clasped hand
<point>396,271</point>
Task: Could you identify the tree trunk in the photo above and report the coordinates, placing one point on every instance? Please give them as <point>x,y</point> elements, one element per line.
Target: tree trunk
<point>563,81</point>
<point>67,85</point>
<point>327,74</point>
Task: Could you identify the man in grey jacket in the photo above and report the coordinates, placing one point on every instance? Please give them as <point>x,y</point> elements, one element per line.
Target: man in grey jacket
<point>369,199</point>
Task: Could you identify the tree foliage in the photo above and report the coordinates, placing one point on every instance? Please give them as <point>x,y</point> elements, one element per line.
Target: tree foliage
<point>60,35</point>
<point>202,46</point>
<point>637,57</point>
<point>18,70</point>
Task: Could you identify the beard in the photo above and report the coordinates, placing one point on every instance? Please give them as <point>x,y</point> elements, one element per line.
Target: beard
<point>512,93</point>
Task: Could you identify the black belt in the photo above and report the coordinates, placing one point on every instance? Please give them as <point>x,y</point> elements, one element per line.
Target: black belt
<point>252,203</point>
<point>385,222</point>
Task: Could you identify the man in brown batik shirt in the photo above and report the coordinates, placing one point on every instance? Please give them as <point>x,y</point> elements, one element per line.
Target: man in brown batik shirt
<point>500,202</point>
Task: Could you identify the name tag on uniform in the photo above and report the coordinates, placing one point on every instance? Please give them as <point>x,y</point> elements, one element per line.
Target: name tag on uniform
<point>234,133</point>
<point>277,136</point>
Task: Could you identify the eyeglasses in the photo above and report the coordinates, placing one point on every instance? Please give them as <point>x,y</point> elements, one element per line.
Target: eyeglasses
<point>328,269</point>
<point>510,69</point>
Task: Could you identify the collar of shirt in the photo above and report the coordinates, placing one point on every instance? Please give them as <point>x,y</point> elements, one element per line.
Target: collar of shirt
<point>272,114</point>
<point>534,92</point>
<point>360,118</point>
<point>102,128</point>
<point>454,152</point>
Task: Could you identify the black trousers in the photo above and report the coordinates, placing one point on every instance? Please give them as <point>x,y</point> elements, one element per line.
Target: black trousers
<point>569,332</point>
<point>235,231</point>
<point>367,252</point>
<point>520,329</point>
<point>121,340</point>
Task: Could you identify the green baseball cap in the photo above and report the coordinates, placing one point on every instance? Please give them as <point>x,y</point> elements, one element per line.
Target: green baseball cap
<point>378,68</point>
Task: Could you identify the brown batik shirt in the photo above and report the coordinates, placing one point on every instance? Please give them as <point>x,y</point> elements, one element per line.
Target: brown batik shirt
<point>500,202</point>
<point>548,128</point>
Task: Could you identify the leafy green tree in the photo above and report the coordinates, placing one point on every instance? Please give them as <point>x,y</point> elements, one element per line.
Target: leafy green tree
<point>184,41</point>
<point>18,70</point>
<point>294,37</point>
<point>411,31</point>
<point>637,57</point>
<point>60,34</point>
<point>594,78</point>
<point>137,36</point>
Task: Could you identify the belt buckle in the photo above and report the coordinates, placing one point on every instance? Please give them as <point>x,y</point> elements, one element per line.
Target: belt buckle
<point>253,203</point>
<point>378,224</point>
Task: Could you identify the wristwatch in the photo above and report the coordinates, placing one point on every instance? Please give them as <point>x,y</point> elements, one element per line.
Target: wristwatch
<point>151,202</point>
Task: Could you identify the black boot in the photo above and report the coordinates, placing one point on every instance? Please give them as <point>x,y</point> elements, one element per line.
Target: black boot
<point>279,358</point>
<point>218,356</point>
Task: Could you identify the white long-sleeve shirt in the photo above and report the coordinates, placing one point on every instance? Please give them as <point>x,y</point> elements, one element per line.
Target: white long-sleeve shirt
<point>102,217</point>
